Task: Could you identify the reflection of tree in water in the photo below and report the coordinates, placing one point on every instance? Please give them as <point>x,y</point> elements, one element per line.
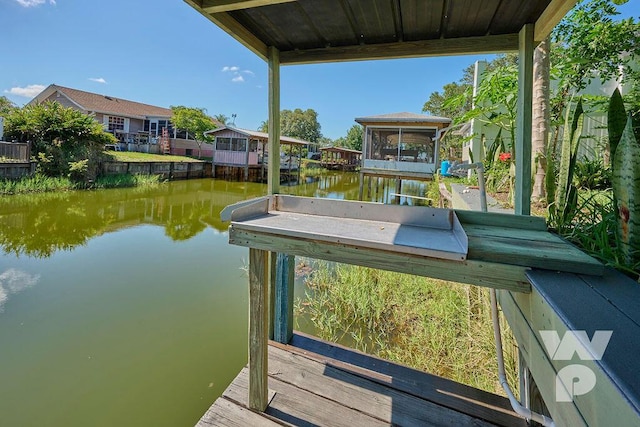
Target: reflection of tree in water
<point>187,223</point>
<point>38,225</point>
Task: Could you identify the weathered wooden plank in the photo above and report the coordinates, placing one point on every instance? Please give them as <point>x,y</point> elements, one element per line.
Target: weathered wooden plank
<point>462,398</point>
<point>228,5</point>
<point>532,350</point>
<point>258,328</point>
<point>501,220</point>
<point>230,414</point>
<point>300,407</point>
<point>481,273</point>
<point>234,29</point>
<point>522,202</point>
<point>406,49</point>
<point>615,398</point>
<point>555,11</point>
<point>372,398</point>
<point>520,234</point>
<point>283,307</point>
<point>273,175</point>
<point>533,253</point>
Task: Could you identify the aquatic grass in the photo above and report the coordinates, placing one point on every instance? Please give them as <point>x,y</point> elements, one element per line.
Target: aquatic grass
<point>439,327</point>
<point>37,183</point>
<point>127,180</point>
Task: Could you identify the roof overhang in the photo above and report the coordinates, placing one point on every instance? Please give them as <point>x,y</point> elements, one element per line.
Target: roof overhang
<point>316,31</point>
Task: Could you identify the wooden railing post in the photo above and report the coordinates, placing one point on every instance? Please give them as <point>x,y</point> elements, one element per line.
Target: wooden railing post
<point>258,328</point>
<point>283,306</point>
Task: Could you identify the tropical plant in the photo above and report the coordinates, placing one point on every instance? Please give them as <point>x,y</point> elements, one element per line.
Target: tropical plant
<point>563,208</point>
<point>626,190</point>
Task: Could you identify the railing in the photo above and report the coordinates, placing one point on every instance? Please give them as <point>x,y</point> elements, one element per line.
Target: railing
<point>16,151</point>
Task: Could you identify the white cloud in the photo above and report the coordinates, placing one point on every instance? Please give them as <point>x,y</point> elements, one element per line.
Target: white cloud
<point>236,73</point>
<point>33,3</point>
<point>232,69</point>
<point>13,281</point>
<point>98,80</point>
<point>28,91</point>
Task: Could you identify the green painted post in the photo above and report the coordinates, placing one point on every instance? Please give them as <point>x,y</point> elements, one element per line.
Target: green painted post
<point>283,307</point>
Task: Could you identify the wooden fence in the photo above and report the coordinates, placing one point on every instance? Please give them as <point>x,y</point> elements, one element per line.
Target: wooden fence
<point>17,151</point>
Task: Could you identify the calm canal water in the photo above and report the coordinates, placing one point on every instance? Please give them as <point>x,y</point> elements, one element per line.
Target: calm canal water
<point>125,307</point>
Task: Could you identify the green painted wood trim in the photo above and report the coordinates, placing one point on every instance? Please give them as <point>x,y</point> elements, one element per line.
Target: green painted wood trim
<point>273,173</point>
<point>605,404</point>
<point>258,329</point>
<point>501,220</point>
<point>283,315</point>
<point>481,273</point>
<point>522,203</point>
<point>536,357</point>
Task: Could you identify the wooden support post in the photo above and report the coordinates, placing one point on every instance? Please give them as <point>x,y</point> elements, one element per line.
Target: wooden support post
<point>258,328</point>
<point>273,283</point>
<point>283,316</point>
<point>522,202</point>
<point>398,189</point>
<point>273,175</point>
<point>361,187</point>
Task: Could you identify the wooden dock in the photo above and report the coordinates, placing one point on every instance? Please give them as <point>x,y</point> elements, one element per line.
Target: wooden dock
<point>315,383</point>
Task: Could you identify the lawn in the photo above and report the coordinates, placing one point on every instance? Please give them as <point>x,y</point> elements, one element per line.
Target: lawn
<point>132,156</point>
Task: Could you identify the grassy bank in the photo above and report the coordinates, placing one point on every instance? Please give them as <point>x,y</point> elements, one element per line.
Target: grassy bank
<point>440,327</point>
<point>133,156</point>
<point>42,184</point>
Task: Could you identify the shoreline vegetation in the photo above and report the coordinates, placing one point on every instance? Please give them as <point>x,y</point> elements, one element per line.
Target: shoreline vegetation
<point>39,183</point>
<point>440,327</point>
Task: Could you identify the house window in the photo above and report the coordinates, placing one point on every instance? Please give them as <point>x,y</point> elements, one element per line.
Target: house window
<point>223,144</point>
<point>116,123</point>
<point>231,144</point>
<point>239,144</point>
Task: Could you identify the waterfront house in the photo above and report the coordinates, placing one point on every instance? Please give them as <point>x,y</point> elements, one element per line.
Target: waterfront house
<point>242,150</point>
<point>138,126</point>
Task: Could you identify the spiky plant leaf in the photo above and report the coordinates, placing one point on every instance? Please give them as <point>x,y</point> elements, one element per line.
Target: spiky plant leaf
<point>616,120</point>
<point>626,189</point>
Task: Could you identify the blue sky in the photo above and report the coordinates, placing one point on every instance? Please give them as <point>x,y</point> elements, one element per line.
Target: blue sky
<point>164,53</point>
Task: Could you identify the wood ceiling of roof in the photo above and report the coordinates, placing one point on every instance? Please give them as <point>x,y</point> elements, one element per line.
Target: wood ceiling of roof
<point>310,31</point>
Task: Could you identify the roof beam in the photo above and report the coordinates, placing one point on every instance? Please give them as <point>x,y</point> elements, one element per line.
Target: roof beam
<point>234,29</point>
<point>438,47</point>
<point>227,5</point>
<point>555,11</point>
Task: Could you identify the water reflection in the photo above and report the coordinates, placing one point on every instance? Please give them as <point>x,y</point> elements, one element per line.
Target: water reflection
<point>39,225</point>
<point>13,281</point>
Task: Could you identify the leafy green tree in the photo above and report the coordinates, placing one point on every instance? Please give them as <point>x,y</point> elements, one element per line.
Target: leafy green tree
<point>64,141</point>
<point>299,124</point>
<point>353,140</point>
<point>221,118</point>
<point>195,121</point>
<point>6,105</point>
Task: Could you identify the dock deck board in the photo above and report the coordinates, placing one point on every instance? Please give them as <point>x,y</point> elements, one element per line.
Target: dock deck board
<point>322,384</point>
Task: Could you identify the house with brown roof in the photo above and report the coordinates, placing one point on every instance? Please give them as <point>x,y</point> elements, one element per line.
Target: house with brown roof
<point>138,126</point>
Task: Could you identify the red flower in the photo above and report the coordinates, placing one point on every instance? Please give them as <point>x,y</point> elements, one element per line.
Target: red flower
<point>504,156</point>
